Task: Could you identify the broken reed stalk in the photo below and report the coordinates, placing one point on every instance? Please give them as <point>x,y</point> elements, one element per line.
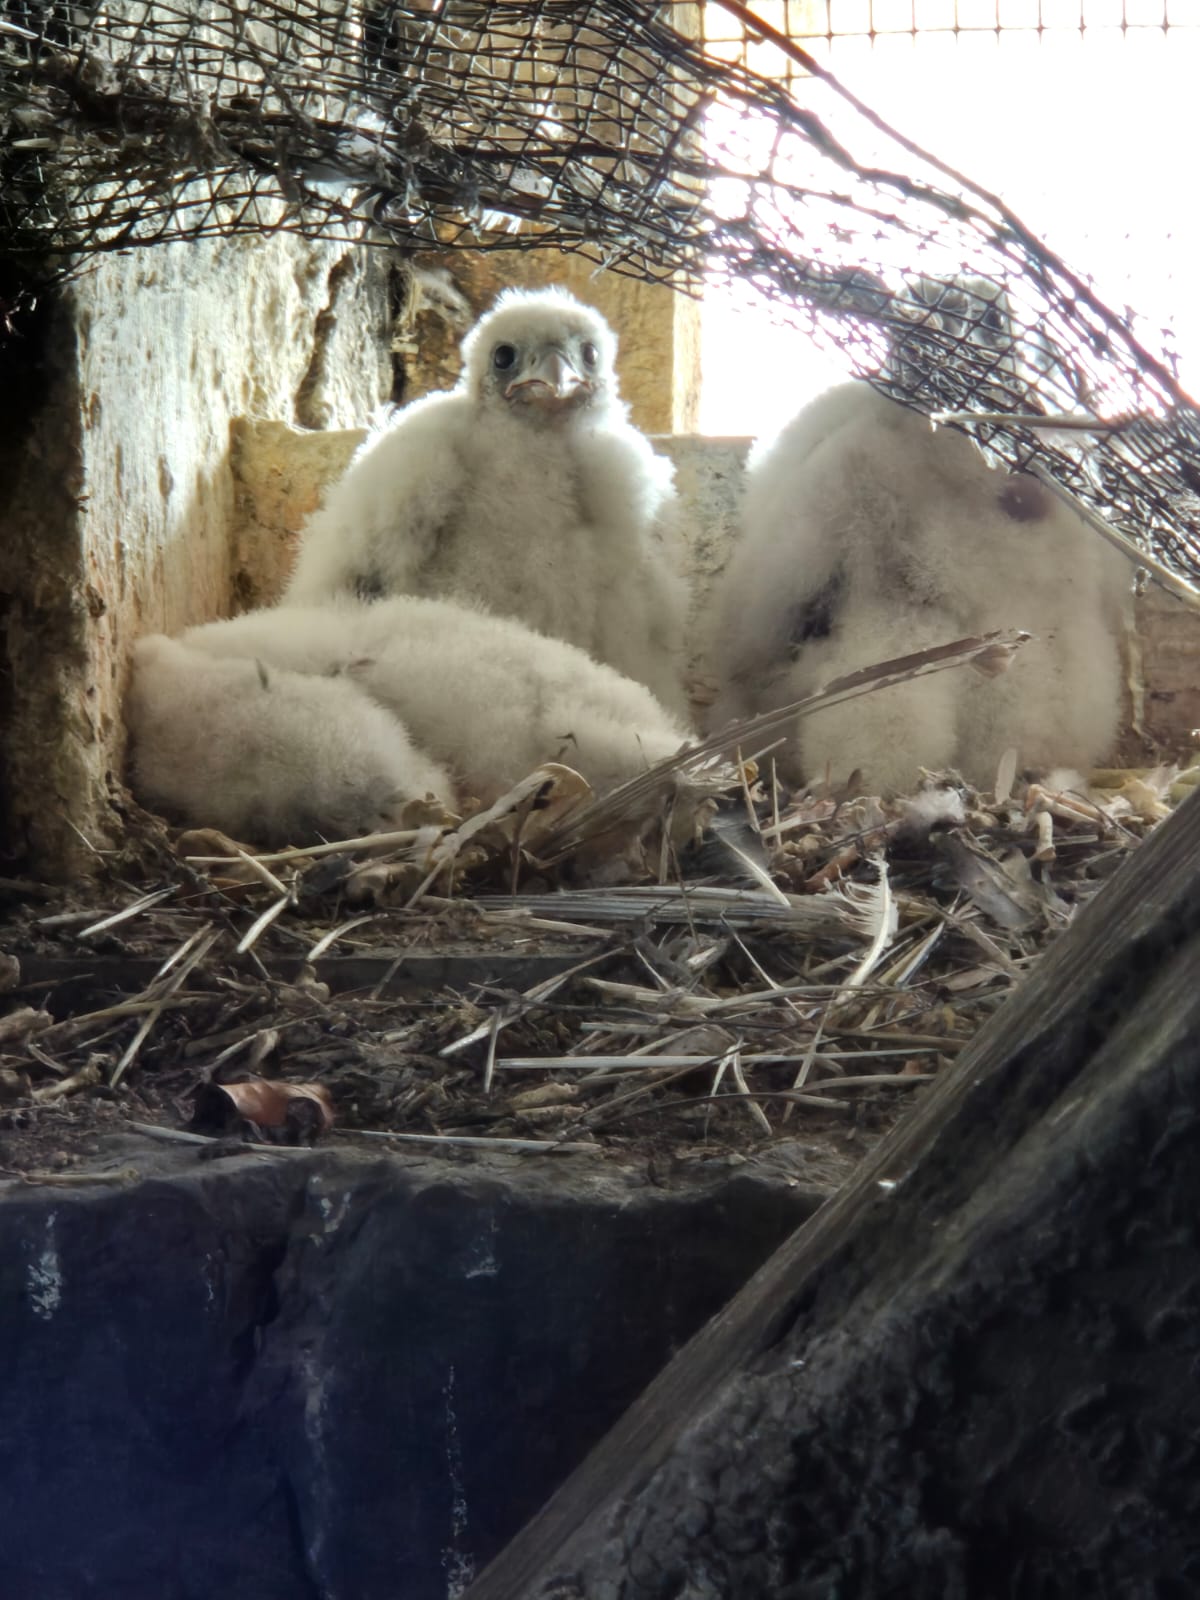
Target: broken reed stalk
<point>184,960</point>
<point>274,858</point>
<point>633,798</point>
<point>478,1141</point>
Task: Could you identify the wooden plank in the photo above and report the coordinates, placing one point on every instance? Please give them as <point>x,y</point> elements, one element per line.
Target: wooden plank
<point>1020,1064</point>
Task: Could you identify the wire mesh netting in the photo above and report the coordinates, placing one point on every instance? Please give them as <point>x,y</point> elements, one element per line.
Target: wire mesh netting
<point>605,126</point>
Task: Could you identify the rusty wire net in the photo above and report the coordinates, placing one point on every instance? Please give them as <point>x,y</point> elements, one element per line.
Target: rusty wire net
<point>598,126</point>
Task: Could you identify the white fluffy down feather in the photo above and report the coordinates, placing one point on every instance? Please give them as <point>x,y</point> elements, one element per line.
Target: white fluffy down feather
<point>322,720</point>
<point>526,491</point>
<point>868,535</point>
<point>266,754</point>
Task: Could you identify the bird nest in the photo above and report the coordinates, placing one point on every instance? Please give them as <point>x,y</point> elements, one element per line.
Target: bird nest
<point>779,968</point>
<point>595,126</point>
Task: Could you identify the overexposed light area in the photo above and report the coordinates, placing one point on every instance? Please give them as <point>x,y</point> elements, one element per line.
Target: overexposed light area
<point>1089,139</point>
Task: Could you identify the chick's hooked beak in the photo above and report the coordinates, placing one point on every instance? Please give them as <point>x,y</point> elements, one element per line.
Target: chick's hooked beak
<point>551,381</point>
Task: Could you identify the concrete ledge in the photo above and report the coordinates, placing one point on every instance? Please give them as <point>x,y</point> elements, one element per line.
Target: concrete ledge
<point>271,1375</point>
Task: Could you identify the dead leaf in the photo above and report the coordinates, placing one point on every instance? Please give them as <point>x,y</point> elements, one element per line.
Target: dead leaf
<point>565,789</point>
<point>207,842</point>
<point>549,1115</point>
<point>381,882</point>
<point>426,813</point>
<point>266,1102</point>
<point>551,787</point>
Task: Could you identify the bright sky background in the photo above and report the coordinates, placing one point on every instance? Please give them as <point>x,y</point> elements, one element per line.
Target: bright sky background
<point>1092,142</point>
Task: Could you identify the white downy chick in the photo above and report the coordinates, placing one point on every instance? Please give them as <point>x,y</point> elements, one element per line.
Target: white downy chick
<point>482,695</point>
<point>382,701</point>
<point>866,535</point>
<point>525,491</point>
<point>265,753</point>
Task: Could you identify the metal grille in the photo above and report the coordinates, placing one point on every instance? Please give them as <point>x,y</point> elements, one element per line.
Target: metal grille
<point>567,124</point>
<point>734,38</point>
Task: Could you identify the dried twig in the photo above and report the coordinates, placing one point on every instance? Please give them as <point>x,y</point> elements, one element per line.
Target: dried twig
<point>185,959</point>
<point>550,1147</point>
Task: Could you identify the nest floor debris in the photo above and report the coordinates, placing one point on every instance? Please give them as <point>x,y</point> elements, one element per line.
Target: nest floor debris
<point>799,975</point>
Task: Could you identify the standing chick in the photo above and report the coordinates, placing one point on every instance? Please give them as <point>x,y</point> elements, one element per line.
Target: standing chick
<point>322,720</point>
<point>866,535</point>
<point>526,491</point>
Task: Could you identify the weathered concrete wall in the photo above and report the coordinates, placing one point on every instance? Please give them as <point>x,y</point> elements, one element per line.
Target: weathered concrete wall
<point>280,475</point>
<point>277,1376</point>
<point>1168,633</point>
<point>116,495</point>
<point>708,478</point>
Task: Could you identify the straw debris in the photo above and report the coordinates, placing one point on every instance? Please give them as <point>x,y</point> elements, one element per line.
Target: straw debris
<point>811,962</point>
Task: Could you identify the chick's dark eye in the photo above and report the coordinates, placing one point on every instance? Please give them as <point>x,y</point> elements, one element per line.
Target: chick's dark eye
<point>504,356</point>
<point>588,351</point>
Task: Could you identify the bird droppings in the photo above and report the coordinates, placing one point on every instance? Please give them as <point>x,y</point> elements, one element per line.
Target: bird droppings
<point>210,1274</point>
<point>333,1211</point>
<point>482,1262</point>
<point>45,1281</point>
<point>315,1378</point>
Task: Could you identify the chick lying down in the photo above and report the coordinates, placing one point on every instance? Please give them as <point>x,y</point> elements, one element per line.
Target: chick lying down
<point>266,754</point>
<point>323,721</point>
